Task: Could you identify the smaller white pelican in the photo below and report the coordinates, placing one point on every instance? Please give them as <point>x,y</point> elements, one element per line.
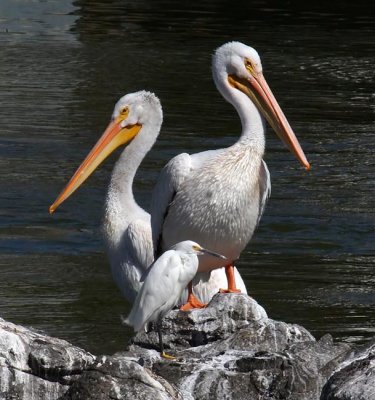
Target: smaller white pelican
<point>136,118</point>
<point>164,283</point>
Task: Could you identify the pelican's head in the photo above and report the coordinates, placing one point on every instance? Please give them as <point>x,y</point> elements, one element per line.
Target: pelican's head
<point>136,109</point>
<point>237,71</point>
<point>235,58</point>
<point>131,113</point>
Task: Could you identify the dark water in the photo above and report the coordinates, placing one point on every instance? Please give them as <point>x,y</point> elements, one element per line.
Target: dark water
<point>64,64</point>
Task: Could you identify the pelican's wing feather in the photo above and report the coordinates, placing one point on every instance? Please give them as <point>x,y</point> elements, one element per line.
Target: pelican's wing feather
<point>169,181</point>
<point>264,188</point>
<point>139,243</point>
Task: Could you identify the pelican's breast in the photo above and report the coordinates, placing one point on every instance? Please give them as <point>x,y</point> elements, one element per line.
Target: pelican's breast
<point>218,205</point>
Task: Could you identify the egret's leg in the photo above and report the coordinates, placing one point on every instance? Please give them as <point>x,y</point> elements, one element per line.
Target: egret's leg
<point>161,345</point>
<point>192,301</point>
<point>229,272</point>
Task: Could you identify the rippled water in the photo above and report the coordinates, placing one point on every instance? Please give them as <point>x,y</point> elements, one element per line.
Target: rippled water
<point>64,64</point>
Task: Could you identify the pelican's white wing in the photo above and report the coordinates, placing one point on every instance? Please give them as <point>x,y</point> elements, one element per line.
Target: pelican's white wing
<point>170,179</point>
<point>140,243</point>
<point>264,188</point>
<point>131,257</point>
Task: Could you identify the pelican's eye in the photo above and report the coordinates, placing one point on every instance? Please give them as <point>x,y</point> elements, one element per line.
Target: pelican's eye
<point>124,112</point>
<point>196,248</point>
<point>249,65</point>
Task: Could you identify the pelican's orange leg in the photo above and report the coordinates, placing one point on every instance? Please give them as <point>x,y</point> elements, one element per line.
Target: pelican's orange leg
<point>229,272</point>
<point>192,301</point>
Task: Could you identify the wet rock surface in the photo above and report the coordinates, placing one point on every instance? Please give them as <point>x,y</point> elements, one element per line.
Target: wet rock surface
<point>120,377</point>
<point>230,350</point>
<point>36,366</point>
<point>355,379</point>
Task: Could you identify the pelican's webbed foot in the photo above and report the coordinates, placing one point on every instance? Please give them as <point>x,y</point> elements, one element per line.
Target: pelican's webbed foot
<point>192,302</point>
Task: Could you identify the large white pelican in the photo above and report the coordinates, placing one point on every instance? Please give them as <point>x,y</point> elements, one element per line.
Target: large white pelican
<point>137,117</point>
<point>217,197</point>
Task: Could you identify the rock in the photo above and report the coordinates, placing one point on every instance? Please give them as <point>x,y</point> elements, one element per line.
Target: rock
<point>355,378</point>
<point>224,316</point>
<point>230,350</point>
<point>36,366</point>
<point>241,353</point>
<point>120,377</point>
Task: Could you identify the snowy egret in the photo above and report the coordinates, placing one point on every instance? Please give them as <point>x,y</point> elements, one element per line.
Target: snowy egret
<point>163,285</point>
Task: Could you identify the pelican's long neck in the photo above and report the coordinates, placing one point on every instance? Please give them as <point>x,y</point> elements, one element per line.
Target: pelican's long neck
<point>120,189</point>
<point>253,124</point>
<point>121,206</point>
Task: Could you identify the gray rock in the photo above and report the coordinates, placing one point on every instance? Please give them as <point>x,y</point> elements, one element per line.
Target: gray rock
<point>355,378</point>
<point>243,354</point>
<point>225,315</point>
<point>36,366</point>
<point>230,350</point>
<point>120,377</point>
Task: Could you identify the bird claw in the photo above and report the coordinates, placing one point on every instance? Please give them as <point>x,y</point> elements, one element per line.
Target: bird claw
<point>163,354</point>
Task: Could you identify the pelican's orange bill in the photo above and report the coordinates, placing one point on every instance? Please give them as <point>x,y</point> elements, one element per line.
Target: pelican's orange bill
<point>259,92</point>
<point>114,136</point>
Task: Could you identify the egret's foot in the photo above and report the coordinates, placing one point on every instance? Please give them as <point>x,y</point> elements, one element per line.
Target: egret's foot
<point>163,354</point>
<point>230,290</point>
<point>192,303</point>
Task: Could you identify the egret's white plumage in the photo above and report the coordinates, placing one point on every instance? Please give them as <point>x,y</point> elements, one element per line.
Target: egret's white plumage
<point>164,283</point>
<point>166,279</point>
<point>137,117</point>
<point>217,197</point>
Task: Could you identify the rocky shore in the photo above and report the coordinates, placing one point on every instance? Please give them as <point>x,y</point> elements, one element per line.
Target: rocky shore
<point>230,350</point>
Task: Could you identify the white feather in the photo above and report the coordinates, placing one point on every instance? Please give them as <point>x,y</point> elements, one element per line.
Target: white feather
<point>164,284</point>
<point>126,225</point>
<point>216,197</point>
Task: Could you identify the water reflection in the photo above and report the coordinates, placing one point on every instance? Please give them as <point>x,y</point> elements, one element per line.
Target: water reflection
<point>64,65</point>
<point>26,20</point>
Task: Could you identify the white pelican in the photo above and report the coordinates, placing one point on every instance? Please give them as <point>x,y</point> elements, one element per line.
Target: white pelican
<point>164,283</point>
<point>137,117</point>
<point>217,197</point>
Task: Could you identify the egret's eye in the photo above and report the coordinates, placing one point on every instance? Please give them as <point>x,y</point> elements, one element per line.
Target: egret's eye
<point>124,111</point>
<point>196,248</point>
